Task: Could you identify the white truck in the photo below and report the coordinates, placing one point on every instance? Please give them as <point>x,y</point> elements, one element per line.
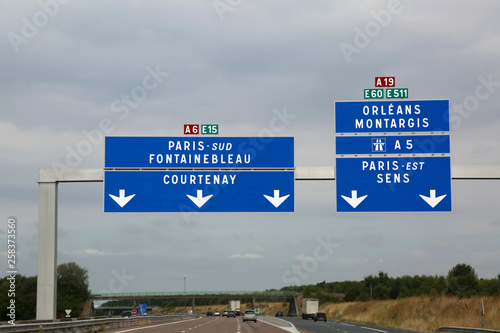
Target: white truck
<point>309,307</point>
<point>234,306</point>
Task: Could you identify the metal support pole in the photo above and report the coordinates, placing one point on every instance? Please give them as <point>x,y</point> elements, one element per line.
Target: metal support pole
<point>46,295</point>
<point>292,308</point>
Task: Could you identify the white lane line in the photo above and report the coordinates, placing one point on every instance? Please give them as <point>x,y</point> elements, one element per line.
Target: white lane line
<point>373,329</point>
<point>288,329</point>
<point>164,324</point>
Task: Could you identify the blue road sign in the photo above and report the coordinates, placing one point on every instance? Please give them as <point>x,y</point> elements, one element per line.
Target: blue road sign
<point>199,191</point>
<point>142,308</point>
<point>399,184</point>
<point>396,144</point>
<point>203,152</point>
<point>392,116</point>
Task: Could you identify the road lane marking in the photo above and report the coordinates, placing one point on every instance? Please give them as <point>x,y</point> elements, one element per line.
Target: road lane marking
<point>373,329</point>
<point>288,329</point>
<point>164,324</point>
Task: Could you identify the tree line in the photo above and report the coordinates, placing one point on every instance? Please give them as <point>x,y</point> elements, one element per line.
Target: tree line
<point>461,281</point>
<point>72,292</point>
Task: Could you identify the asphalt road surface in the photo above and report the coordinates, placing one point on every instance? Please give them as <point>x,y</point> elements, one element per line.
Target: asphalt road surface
<point>339,327</point>
<point>212,325</point>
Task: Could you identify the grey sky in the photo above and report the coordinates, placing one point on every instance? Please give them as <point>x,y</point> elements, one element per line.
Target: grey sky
<point>72,71</point>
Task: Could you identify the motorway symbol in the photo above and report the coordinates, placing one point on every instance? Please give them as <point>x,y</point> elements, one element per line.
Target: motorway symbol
<point>122,200</point>
<point>276,200</point>
<point>378,145</point>
<point>432,200</point>
<point>354,201</point>
<point>199,200</point>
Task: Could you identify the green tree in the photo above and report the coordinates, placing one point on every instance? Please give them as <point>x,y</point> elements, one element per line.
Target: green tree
<point>22,292</point>
<point>489,286</point>
<point>379,285</point>
<point>308,291</point>
<point>462,280</point>
<point>72,288</point>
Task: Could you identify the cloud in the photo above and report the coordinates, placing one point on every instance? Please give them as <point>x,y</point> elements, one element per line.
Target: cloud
<point>246,256</point>
<point>93,252</point>
<point>485,263</point>
<point>416,257</point>
<point>495,222</point>
<point>349,261</point>
<point>439,245</point>
<point>302,257</point>
<point>486,258</point>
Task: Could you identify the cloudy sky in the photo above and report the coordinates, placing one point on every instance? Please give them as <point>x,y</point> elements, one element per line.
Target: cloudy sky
<point>72,71</point>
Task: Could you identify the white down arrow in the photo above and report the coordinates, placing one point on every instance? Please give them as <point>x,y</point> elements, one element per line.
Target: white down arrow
<point>354,201</point>
<point>122,200</point>
<point>432,200</point>
<point>199,200</point>
<point>276,200</point>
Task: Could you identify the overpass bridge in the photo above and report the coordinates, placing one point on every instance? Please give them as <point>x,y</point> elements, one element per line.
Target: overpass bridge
<point>289,296</point>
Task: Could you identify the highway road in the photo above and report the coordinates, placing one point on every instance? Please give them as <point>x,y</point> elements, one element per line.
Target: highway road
<point>263,325</point>
<point>335,326</point>
<point>211,325</point>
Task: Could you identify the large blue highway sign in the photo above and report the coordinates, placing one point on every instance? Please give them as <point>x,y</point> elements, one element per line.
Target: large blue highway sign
<point>395,144</point>
<point>198,191</point>
<point>393,184</point>
<point>392,116</point>
<point>204,152</point>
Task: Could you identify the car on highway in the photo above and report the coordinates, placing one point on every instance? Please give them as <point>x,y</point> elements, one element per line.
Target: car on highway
<point>210,313</point>
<point>231,314</point>
<point>126,314</point>
<point>224,313</point>
<point>249,315</point>
<point>216,313</point>
<point>321,316</point>
<point>278,314</point>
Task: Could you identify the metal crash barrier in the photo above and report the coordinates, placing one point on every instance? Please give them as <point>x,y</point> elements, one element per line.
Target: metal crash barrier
<point>92,325</point>
<point>465,330</point>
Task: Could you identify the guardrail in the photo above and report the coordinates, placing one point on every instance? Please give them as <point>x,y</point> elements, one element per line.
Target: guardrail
<point>465,330</point>
<point>91,325</point>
